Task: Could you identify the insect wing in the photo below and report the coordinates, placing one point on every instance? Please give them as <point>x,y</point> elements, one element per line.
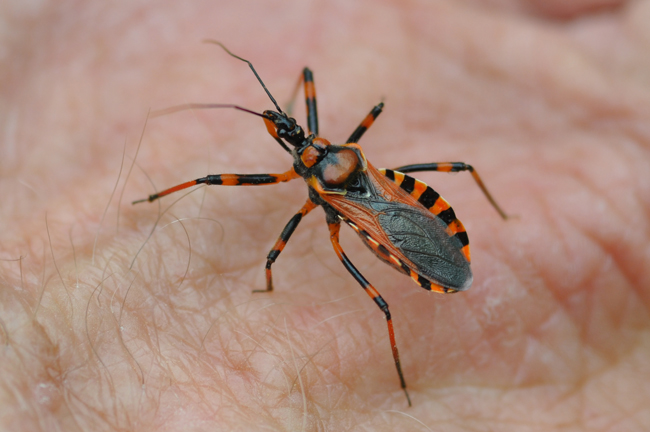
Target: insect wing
<point>423,240</point>
<point>404,233</point>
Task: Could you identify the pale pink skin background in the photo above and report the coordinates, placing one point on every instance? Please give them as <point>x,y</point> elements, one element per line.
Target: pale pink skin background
<point>551,104</point>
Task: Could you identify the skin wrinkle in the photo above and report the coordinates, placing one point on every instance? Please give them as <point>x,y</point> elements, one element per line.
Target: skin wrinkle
<point>613,400</point>
<point>563,301</point>
<point>559,299</point>
<point>612,363</point>
<point>614,204</point>
<point>578,226</point>
<point>488,340</point>
<point>616,210</point>
<point>514,277</point>
<point>642,198</point>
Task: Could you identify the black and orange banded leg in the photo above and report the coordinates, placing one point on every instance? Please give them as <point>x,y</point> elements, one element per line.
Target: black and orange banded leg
<point>373,293</point>
<point>307,79</point>
<point>366,123</point>
<point>310,101</point>
<point>282,242</point>
<point>454,167</point>
<point>228,180</point>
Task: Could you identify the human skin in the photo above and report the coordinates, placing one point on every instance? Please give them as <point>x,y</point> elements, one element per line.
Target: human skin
<point>550,104</point>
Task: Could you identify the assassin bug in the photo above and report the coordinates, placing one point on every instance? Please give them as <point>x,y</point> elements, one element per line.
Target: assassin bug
<point>402,220</point>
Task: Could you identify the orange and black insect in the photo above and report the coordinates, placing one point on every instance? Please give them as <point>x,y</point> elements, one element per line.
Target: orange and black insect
<point>402,220</point>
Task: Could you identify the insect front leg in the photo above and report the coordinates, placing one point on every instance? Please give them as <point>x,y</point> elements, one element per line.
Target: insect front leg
<point>228,180</point>
<point>310,101</point>
<point>282,242</point>
<point>454,167</point>
<point>307,79</point>
<point>373,293</point>
<point>366,123</point>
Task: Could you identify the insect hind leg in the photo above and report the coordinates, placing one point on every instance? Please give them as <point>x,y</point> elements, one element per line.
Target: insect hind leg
<point>454,167</point>
<point>374,294</point>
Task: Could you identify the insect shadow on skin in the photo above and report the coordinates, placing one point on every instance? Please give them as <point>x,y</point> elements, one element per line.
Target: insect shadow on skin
<point>403,221</point>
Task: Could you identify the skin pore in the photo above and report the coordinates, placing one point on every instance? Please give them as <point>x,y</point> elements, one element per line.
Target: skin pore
<point>104,328</point>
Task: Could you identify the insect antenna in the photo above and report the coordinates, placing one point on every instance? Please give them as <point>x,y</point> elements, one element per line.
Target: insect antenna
<point>191,106</point>
<point>252,68</point>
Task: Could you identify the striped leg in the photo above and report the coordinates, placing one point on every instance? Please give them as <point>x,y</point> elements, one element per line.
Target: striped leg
<point>373,293</point>
<point>366,123</point>
<point>454,167</point>
<point>228,180</point>
<point>310,101</point>
<point>306,78</point>
<point>282,242</point>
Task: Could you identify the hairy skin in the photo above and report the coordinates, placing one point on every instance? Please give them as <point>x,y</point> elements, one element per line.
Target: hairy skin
<point>550,104</point>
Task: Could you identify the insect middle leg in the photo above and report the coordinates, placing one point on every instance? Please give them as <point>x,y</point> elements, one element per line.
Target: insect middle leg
<point>454,167</point>
<point>228,180</point>
<point>373,293</point>
<point>282,242</point>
